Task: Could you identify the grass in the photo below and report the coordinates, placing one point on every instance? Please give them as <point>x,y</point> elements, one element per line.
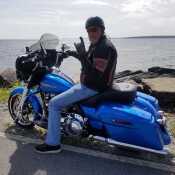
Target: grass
<point>172,128</point>
<point>5,92</point>
<point>171,123</point>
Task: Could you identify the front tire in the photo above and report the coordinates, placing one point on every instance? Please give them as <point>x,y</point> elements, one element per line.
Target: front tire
<point>26,121</point>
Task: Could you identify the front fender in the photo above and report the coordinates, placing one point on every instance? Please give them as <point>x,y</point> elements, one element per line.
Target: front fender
<point>36,104</point>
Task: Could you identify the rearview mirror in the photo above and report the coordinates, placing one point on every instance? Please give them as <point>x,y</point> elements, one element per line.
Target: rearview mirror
<point>64,47</point>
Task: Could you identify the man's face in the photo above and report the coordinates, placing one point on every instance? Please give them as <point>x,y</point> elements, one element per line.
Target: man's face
<point>94,34</point>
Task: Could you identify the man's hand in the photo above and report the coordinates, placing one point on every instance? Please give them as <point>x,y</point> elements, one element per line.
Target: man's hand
<point>80,48</point>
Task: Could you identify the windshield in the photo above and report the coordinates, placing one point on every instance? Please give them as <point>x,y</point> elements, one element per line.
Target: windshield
<point>47,41</point>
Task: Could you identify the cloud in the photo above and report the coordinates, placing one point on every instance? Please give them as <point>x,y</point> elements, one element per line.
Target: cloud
<point>90,2</point>
<point>131,6</point>
<point>142,8</point>
<point>66,18</point>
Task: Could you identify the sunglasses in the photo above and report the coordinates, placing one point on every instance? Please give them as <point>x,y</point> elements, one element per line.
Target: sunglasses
<point>92,30</point>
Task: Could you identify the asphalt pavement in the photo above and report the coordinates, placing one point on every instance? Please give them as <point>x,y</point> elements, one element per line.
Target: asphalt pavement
<point>17,158</point>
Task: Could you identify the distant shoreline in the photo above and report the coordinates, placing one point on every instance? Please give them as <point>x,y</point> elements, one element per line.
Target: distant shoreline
<point>129,37</point>
<point>153,36</point>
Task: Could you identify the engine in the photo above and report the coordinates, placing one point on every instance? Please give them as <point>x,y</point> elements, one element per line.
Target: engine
<point>73,124</point>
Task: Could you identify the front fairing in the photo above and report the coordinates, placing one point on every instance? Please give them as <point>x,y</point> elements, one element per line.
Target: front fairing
<point>47,41</point>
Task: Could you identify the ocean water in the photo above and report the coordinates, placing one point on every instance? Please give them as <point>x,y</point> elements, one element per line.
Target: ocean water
<point>133,53</point>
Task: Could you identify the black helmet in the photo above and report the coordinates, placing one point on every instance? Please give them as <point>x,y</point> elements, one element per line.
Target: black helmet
<point>95,22</point>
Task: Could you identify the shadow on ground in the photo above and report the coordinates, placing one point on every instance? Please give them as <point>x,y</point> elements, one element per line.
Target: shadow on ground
<point>24,160</point>
<point>94,145</point>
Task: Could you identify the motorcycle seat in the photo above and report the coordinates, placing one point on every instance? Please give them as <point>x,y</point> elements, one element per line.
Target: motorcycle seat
<point>124,93</point>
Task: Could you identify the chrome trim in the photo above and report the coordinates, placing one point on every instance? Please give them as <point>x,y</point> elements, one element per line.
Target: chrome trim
<point>161,113</point>
<point>162,119</point>
<point>23,98</point>
<point>114,142</point>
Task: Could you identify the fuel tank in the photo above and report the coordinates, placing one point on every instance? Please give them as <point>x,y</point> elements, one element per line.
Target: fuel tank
<point>56,83</point>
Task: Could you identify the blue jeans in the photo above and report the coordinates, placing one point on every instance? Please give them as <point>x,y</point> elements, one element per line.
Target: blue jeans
<point>76,93</point>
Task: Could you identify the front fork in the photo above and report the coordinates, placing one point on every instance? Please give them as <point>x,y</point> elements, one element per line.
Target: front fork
<point>21,104</point>
<point>24,97</point>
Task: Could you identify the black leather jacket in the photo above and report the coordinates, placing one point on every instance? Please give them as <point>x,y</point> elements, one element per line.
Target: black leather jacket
<point>98,67</point>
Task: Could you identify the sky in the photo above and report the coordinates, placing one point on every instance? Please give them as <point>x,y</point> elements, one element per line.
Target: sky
<point>28,19</point>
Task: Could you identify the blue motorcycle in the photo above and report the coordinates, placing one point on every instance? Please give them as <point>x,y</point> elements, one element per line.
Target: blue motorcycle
<point>119,116</point>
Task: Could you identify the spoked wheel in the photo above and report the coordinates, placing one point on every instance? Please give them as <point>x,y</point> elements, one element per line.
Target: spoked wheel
<point>25,119</point>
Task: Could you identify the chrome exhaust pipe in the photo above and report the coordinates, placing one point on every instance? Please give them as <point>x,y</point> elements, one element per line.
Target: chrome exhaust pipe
<point>117,143</point>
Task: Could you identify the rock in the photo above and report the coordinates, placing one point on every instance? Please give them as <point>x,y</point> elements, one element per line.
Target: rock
<point>162,70</point>
<point>134,75</point>
<point>7,77</point>
<point>129,77</point>
<point>152,72</point>
<point>163,88</point>
<point>161,84</point>
<point>3,82</point>
<point>127,73</point>
<point>150,75</point>
<point>157,81</point>
<point>122,74</point>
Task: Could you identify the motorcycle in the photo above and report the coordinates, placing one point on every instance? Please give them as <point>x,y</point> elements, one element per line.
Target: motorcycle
<point>119,116</point>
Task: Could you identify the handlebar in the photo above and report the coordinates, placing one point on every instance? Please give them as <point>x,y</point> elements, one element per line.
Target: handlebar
<point>41,57</point>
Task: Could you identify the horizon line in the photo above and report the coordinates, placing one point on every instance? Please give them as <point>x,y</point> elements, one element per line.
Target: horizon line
<point>114,37</point>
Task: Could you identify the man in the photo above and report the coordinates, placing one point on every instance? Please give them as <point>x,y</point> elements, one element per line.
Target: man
<point>98,67</point>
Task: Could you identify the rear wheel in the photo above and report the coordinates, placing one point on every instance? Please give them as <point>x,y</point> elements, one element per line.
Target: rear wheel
<point>27,113</point>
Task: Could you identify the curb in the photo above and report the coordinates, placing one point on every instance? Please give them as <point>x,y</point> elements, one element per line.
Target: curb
<point>98,154</point>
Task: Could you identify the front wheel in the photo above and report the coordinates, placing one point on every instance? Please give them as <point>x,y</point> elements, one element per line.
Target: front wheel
<point>27,113</point>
